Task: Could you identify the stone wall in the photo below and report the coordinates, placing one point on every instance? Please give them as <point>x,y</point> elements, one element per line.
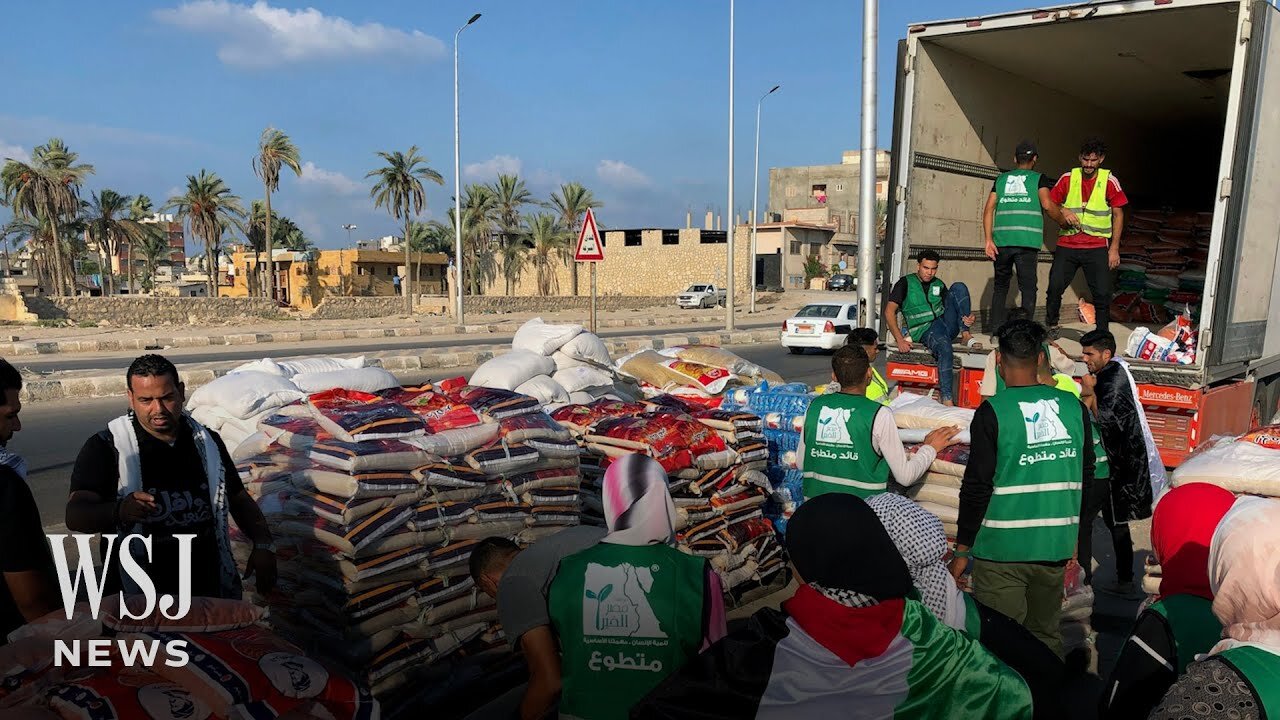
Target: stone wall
<point>650,269</point>
<point>499,304</point>
<point>146,310</point>
<point>335,307</point>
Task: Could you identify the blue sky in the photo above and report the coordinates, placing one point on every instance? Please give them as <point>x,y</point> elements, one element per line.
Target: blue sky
<point>628,98</point>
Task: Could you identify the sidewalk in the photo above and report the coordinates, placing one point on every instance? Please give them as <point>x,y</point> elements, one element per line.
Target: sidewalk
<point>410,363</point>
<point>34,340</point>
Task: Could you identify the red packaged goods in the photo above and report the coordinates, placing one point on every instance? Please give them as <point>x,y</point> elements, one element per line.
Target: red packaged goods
<point>368,455</point>
<point>583,417</point>
<point>131,694</point>
<point>495,403</point>
<point>658,432</point>
<point>438,411</point>
<point>1267,436</point>
<point>537,425</point>
<point>669,401</point>
<point>260,675</point>
<point>353,416</point>
<point>710,380</point>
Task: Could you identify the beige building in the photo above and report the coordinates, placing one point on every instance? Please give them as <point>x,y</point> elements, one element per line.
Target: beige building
<point>640,263</point>
<point>304,279</point>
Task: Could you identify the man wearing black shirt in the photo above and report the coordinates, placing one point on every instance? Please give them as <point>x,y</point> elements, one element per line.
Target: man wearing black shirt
<point>159,473</point>
<point>29,590</point>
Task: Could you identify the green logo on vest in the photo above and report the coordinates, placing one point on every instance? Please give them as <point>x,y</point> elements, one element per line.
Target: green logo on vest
<point>1044,427</point>
<point>1015,185</point>
<point>621,607</point>
<point>833,426</point>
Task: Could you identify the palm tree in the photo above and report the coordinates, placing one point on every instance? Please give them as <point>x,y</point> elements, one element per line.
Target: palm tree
<point>570,203</point>
<point>479,217</point>
<point>139,210</point>
<point>549,241</point>
<point>275,150</point>
<point>154,249</point>
<point>399,189</point>
<point>429,237</point>
<point>292,238</point>
<point>112,222</point>
<point>48,189</point>
<point>510,194</point>
<point>209,209</point>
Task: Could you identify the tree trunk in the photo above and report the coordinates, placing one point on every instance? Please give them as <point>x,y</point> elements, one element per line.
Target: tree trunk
<point>211,267</point>
<point>573,265</point>
<point>59,279</point>
<point>271,261</point>
<point>407,284</point>
<point>130,261</point>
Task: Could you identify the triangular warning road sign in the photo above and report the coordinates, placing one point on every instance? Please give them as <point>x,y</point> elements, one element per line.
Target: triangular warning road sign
<point>590,248</point>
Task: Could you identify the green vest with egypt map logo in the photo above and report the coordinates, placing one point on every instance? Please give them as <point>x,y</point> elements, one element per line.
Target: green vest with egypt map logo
<point>627,617</point>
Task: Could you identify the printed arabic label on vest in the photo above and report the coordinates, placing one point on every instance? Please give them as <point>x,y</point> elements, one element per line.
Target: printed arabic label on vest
<point>833,426</point>
<point>1043,424</point>
<point>621,607</point>
<point>1015,185</point>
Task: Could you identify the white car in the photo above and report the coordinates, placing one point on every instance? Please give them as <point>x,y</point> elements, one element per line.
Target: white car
<point>701,296</point>
<point>825,326</point>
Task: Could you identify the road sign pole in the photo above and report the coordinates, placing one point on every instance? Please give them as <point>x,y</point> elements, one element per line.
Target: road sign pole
<point>593,298</point>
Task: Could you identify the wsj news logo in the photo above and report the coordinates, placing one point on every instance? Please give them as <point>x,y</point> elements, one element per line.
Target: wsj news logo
<point>98,652</point>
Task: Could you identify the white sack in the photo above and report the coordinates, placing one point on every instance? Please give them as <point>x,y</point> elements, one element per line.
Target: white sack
<point>538,337</point>
<point>511,370</point>
<point>243,395</point>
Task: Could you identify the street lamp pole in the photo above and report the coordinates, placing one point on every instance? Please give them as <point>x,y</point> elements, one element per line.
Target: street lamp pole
<point>349,227</point>
<point>457,179</point>
<point>755,198</point>
<point>730,225</point>
<point>867,307</point>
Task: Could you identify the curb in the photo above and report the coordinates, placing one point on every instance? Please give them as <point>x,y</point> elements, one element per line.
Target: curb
<point>54,347</point>
<point>401,365</point>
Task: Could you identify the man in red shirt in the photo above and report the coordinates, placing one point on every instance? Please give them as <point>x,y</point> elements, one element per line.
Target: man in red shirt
<point>1094,244</point>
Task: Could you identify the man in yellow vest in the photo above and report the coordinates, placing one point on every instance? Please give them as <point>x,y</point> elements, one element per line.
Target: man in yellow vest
<point>1094,195</point>
<point>867,339</point>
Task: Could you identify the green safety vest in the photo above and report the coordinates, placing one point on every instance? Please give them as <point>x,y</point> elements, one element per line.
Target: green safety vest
<point>1019,222</point>
<point>1191,622</point>
<point>1035,505</point>
<point>838,454</point>
<point>878,389</point>
<point>1094,215</point>
<point>1261,670</point>
<point>1101,462</point>
<point>922,305</point>
<point>627,617</point>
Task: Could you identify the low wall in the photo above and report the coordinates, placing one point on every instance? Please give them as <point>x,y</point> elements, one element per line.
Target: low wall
<point>146,310</point>
<point>500,304</point>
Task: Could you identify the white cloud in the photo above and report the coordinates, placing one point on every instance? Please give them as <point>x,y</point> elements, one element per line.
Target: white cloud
<point>620,174</point>
<point>328,179</point>
<point>259,35</point>
<point>493,167</point>
<point>16,152</point>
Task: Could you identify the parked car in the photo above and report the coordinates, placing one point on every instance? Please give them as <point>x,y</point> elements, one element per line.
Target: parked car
<point>825,326</point>
<point>841,282</point>
<point>701,296</point>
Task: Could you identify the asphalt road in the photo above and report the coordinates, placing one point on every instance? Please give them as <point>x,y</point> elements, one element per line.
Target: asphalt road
<point>121,360</point>
<point>53,432</point>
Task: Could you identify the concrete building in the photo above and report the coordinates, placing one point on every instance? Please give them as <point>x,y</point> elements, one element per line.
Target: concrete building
<point>304,279</point>
<point>640,263</point>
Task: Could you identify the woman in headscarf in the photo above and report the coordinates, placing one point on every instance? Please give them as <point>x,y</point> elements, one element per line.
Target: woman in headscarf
<point>920,539</point>
<point>1240,678</point>
<point>633,609</point>
<point>849,644</point>
<point>1180,624</point>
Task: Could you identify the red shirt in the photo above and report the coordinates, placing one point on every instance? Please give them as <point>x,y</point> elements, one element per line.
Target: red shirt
<point>1115,198</point>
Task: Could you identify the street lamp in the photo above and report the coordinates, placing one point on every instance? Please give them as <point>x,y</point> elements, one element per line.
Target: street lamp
<point>731,226</point>
<point>457,178</point>
<point>349,227</point>
<point>755,197</point>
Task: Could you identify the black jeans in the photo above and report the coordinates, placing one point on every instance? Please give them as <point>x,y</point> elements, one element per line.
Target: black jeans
<point>1065,263</point>
<point>1008,258</point>
<point>1099,500</point>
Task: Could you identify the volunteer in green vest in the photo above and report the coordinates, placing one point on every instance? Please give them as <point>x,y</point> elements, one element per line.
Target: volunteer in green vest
<point>633,609</point>
<point>866,338</point>
<point>1031,459</point>
<point>1180,624</point>
<point>1240,678</point>
<point>1094,196</point>
<point>934,314</point>
<point>1013,226</point>
<point>850,444</point>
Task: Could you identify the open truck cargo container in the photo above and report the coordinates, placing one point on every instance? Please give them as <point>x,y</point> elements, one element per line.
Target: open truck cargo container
<point>1186,94</point>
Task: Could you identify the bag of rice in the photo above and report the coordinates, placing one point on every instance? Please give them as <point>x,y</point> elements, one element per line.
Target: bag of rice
<point>368,456</point>
<point>246,394</point>
<point>353,486</point>
<point>321,364</point>
<point>495,403</point>
<point>509,371</point>
<point>585,348</point>
<point>353,416</point>
<point>545,390</point>
<point>532,426</point>
<point>537,337</point>
<point>368,379</point>
<point>130,694</point>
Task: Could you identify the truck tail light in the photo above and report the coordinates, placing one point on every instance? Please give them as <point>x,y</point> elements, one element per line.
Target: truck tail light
<point>830,327</point>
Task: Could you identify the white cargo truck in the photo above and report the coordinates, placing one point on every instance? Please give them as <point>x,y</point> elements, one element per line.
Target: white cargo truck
<point>1186,95</point>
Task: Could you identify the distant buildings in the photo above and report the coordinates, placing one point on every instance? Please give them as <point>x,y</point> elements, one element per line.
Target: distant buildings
<point>304,279</point>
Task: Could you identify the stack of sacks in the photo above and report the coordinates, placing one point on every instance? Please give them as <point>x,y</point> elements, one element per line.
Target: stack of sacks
<point>696,373</point>
<point>715,460</point>
<point>1248,464</point>
<point>1162,265</point>
<point>239,669</point>
<point>556,365</point>
<point>377,500</point>
<point>235,403</point>
<point>782,408</point>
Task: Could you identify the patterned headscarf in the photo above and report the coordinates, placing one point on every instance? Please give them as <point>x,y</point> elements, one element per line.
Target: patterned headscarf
<point>922,542</point>
<point>637,504</point>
